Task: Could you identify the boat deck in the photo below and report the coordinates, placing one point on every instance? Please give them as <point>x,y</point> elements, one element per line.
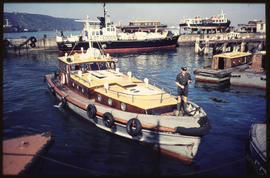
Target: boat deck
<point>126,89</point>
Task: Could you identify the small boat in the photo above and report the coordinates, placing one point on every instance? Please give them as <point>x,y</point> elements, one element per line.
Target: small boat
<point>222,66</point>
<point>143,26</point>
<point>257,154</point>
<point>216,23</point>
<point>92,86</point>
<point>105,36</point>
<point>254,76</point>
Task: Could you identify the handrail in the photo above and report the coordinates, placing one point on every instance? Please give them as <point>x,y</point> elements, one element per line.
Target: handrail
<point>157,85</point>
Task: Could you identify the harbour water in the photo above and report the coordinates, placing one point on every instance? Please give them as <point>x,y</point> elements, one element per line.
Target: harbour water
<point>80,148</point>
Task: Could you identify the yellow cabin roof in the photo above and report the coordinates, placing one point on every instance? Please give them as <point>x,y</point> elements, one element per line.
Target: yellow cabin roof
<point>122,88</point>
<point>233,54</point>
<point>151,97</point>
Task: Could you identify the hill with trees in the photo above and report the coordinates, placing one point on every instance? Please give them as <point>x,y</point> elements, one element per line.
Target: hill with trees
<point>41,22</point>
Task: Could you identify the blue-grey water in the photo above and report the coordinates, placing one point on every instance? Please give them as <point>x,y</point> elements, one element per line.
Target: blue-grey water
<point>79,148</point>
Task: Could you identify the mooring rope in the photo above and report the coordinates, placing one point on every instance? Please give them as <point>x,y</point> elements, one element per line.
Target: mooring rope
<point>55,161</point>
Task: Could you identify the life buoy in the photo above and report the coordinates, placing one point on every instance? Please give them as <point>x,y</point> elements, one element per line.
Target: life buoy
<point>91,111</point>
<point>108,119</point>
<point>63,79</point>
<point>134,127</point>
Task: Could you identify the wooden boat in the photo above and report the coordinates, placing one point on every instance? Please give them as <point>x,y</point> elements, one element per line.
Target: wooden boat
<point>90,85</point>
<point>254,76</point>
<point>222,66</point>
<point>257,155</point>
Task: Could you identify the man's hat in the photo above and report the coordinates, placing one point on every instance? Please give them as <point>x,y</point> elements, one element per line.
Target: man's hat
<point>184,68</point>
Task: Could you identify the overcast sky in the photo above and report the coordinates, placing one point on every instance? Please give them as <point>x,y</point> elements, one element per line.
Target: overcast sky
<point>166,13</point>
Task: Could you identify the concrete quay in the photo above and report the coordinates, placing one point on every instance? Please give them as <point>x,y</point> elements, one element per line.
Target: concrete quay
<point>222,42</point>
<point>25,45</point>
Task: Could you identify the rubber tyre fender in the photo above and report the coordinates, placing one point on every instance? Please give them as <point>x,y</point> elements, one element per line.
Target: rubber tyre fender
<point>108,119</point>
<point>33,39</point>
<point>91,111</point>
<point>33,45</point>
<point>134,123</point>
<point>64,102</point>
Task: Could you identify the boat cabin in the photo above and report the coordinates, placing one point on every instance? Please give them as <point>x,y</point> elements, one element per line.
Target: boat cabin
<point>232,59</point>
<point>99,79</point>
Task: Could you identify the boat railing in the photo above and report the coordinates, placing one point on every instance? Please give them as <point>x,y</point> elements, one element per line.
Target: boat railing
<point>156,84</point>
<point>164,90</point>
<point>140,97</point>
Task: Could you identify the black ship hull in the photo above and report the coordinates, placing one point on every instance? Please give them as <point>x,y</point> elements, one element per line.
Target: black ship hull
<point>120,46</point>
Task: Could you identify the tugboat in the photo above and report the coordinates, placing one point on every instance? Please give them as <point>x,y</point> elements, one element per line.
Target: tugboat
<point>106,37</point>
<point>92,86</point>
<point>222,66</point>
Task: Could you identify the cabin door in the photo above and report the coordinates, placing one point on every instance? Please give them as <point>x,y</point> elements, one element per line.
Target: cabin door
<point>221,63</point>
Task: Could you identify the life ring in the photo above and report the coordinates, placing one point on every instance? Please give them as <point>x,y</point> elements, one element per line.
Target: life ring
<point>134,127</point>
<point>91,111</point>
<point>62,79</point>
<point>108,119</point>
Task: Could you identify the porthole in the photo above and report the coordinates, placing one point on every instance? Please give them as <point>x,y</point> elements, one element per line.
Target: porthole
<point>109,101</point>
<point>123,106</point>
<point>82,90</point>
<point>73,84</point>
<point>78,87</point>
<point>99,98</point>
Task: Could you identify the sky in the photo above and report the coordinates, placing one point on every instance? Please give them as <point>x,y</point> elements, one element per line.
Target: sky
<point>166,13</point>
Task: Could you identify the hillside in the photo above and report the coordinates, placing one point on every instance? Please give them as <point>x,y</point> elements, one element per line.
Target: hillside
<point>41,22</point>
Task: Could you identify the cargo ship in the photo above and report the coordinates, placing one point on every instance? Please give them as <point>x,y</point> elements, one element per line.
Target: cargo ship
<point>105,36</point>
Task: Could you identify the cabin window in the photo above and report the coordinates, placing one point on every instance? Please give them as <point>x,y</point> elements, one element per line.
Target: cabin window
<point>263,62</point>
<point>112,65</point>
<point>112,29</point>
<point>97,33</point>
<point>93,33</point>
<point>75,67</point>
<point>108,29</point>
<point>221,63</point>
<point>94,66</point>
<point>102,66</point>
<point>101,33</point>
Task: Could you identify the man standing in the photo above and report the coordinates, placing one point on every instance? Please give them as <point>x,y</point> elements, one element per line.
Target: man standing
<point>182,81</point>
